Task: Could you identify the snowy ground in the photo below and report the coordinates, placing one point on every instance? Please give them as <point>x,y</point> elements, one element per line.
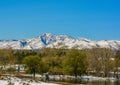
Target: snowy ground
<point>93,78</point>
<point>84,78</point>
<point>17,81</point>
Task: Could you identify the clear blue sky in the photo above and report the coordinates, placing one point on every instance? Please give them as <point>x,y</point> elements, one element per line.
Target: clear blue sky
<point>93,19</point>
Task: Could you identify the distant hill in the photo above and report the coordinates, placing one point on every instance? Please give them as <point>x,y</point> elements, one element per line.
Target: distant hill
<point>51,40</point>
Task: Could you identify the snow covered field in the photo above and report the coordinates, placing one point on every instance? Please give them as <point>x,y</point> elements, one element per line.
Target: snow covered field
<point>92,78</point>
<point>17,81</point>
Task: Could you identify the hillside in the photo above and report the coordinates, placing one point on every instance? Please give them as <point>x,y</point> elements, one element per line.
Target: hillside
<point>51,40</point>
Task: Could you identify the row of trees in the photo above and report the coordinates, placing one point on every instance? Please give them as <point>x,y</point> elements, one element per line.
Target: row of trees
<point>97,61</point>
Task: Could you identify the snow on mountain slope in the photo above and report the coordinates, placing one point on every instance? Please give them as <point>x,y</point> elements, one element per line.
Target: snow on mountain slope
<point>50,40</point>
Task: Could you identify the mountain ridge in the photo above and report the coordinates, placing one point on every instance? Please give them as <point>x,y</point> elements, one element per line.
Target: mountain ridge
<point>51,40</point>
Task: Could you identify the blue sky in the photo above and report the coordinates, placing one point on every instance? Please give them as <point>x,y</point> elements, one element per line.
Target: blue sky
<point>93,19</point>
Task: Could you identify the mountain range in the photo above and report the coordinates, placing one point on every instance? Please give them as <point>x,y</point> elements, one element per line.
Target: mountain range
<point>51,40</point>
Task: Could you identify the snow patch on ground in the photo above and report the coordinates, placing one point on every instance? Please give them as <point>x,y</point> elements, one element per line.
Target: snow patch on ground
<point>92,78</point>
<point>17,81</point>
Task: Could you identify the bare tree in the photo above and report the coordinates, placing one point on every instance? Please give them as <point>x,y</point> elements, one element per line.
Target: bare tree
<point>100,61</point>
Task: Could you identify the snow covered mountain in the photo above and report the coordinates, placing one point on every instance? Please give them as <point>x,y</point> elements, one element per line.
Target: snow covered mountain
<point>51,40</point>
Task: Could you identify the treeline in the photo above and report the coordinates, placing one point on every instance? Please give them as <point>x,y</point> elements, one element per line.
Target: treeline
<point>97,61</point>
